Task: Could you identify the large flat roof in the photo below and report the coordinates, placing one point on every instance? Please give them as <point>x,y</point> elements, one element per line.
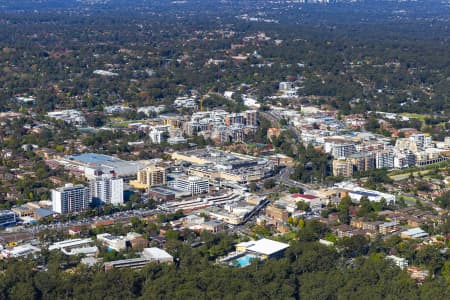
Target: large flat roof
<point>267,247</point>
<point>93,158</point>
<point>156,254</point>
<point>107,163</point>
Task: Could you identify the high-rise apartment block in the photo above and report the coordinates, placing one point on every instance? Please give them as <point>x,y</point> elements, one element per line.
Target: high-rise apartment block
<point>70,198</point>
<point>106,189</point>
<point>149,177</point>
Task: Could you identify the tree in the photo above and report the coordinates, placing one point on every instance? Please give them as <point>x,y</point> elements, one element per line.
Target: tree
<point>269,184</point>
<point>302,205</point>
<point>354,246</point>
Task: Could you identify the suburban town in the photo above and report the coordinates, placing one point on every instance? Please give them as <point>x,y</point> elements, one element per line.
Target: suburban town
<point>229,184</point>
<point>229,162</point>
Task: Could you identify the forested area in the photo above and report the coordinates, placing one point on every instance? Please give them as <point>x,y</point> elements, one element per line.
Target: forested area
<point>308,271</point>
<point>379,60</point>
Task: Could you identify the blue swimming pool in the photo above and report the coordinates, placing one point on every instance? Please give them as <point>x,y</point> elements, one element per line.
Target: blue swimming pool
<point>244,260</point>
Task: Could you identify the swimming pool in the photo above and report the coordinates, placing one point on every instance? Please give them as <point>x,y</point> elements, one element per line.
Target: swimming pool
<point>244,260</point>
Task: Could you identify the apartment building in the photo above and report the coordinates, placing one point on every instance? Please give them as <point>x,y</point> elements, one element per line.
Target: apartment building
<point>149,177</point>
<point>106,189</point>
<point>70,198</point>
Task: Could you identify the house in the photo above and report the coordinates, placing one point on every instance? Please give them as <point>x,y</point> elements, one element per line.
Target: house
<point>139,243</point>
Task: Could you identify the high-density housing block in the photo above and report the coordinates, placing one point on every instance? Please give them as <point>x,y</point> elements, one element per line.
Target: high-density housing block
<point>70,198</point>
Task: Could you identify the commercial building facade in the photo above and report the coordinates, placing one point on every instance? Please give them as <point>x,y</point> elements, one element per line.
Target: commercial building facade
<point>193,184</point>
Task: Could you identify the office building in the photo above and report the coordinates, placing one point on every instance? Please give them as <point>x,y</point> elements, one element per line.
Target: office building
<point>193,184</point>
<point>70,198</point>
<point>106,189</point>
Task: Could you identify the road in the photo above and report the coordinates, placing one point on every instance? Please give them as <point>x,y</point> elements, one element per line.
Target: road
<point>283,177</point>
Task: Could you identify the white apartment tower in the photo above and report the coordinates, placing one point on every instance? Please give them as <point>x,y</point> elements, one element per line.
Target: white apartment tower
<point>106,189</point>
<point>70,198</point>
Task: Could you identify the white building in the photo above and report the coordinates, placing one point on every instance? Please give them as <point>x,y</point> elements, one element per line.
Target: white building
<point>373,196</point>
<point>185,102</point>
<point>193,184</point>
<point>286,86</point>
<point>19,251</point>
<point>356,193</point>
<point>250,102</point>
<point>75,247</point>
<point>70,116</point>
<point>116,109</point>
<point>399,261</point>
<point>70,199</point>
<point>264,248</point>
<point>113,242</point>
<point>157,255</point>
<point>149,110</point>
<point>159,134</point>
<point>107,189</point>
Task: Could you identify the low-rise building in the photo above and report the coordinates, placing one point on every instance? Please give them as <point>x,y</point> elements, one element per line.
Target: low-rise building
<point>149,255</point>
<point>401,262</point>
<point>414,233</point>
<point>19,251</point>
<point>117,243</point>
<point>389,227</point>
<point>264,248</point>
<point>213,226</point>
<point>157,255</point>
<point>277,213</point>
